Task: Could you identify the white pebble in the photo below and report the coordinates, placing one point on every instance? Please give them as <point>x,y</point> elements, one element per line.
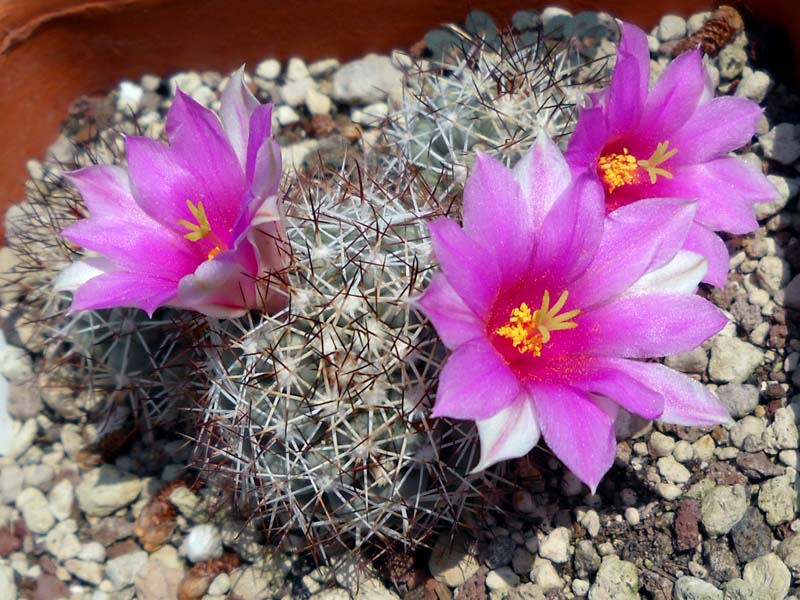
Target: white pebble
<point>203,542</point>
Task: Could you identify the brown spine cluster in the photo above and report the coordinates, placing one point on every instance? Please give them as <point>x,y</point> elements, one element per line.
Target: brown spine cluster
<point>722,26</point>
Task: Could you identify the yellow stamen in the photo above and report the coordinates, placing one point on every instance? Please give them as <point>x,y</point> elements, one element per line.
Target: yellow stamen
<point>529,331</point>
<point>214,251</point>
<point>660,156</point>
<point>202,229</point>
<point>617,170</point>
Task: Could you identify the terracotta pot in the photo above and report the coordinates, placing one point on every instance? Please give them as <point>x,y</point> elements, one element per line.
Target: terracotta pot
<point>53,51</point>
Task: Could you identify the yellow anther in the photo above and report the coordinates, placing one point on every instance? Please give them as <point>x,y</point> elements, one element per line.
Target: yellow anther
<point>659,157</point>
<point>529,331</point>
<point>214,251</point>
<point>617,170</point>
<point>202,229</point>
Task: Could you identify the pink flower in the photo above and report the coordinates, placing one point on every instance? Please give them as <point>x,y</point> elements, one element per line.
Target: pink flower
<point>547,304</point>
<point>196,224</point>
<point>672,142</point>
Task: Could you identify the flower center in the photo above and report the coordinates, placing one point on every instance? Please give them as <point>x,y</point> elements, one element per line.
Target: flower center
<point>529,331</point>
<point>202,229</point>
<point>617,170</point>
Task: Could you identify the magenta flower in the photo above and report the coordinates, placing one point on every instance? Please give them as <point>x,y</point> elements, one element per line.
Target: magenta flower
<point>196,224</point>
<point>546,304</point>
<point>672,142</point>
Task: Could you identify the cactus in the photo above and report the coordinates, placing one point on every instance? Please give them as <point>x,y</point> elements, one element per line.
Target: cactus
<point>495,96</point>
<point>111,362</point>
<point>318,417</point>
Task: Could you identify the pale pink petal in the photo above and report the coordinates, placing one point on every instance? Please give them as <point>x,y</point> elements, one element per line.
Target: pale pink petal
<point>197,138</point>
<point>497,217</point>
<point>475,383</point>
<point>124,289</point>
<point>106,190</point>
<point>511,433</point>
<point>569,237</point>
<point>260,132</point>
<point>715,128</point>
<point>236,105</point>
<point>681,275</point>
<point>76,274</point>
<point>674,98</point>
<point>578,431</point>
<point>220,288</point>
<point>637,238</point>
<point>634,44</point>
<point>266,176</point>
<point>624,102</point>
<point>686,401</point>
<point>603,376</point>
<point>454,321</point>
<point>725,190</point>
<point>707,243</point>
<point>470,269</point>
<point>643,326</point>
<point>543,175</point>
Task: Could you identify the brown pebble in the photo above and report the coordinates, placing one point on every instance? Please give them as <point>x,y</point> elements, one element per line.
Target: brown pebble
<point>687,525</point>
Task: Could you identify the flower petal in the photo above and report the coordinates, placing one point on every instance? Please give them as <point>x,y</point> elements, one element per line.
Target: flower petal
<point>475,383</point>
<point>147,249</point>
<point>543,175</point>
<point>511,433</point>
<point>124,289</point>
<point>681,275</point>
<point>455,323</point>
<point>707,243</point>
<point>236,105</point>
<point>674,98</point>
<point>221,288</point>
<point>634,44</point>
<point>604,376</point>
<point>497,217</point>
<point>578,431</point>
<point>266,176</point>
<point>624,102</point>
<point>643,326</point>
<point>715,128</point>
<point>470,269</point>
<point>106,190</point>
<point>196,136</point>
<point>260,131</point>
<point>568,239</point>
<point>587,140</point>
<point>686,401</point>
<point>75,275</point>
<point>637,238</point>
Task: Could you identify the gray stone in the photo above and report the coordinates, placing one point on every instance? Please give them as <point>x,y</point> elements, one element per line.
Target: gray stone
<point>732,359</point>
<point>22,440</point>
<point>544,574</point>
<point>773,273</point>
<point>789,552</point>
<point>105,490</point>
<point>693,361</point>
<point>751,428</point>
<point>318,103</point>
<point>778,499</point>
<point>372,115</point>
<point>555,546</point>
<point>781,143</point>
<point>721,563</point>
<point>8,587</point>
<point>501,579</point>
<point>61,541</point>
<point>791,295</point>
<point>268,69</point>
<point>323,67</point>
<point>286,115</point>
<point>88,571</point>
<point>551,12</point>
<point>586,559</point>
<point>770,575</point>
<point>692,588</point>
<point>672,470</point>
<point>696,21</point>
<point>61,499</point>
<point>740,399</point>
<point>522,561</point>
<point>616,580</point>
<point>671,27</point>
<point>187,81</point>
<point>786,189</point>
<point>11,482</point>
<point>367,80</point>
<point>739,589</point>
<point>157,581</point>
<point>500,552</point>
<point>731,60</point>
<point>722,507</point>
<point>751,536</point>
<point>203,543</point>
<point>252,583</point>
<point>660,444</point>
<point>782,434</point>
<point>755,86</point>
<point>591,522</point>
<point>294,92</point>
<point>297,70</point>
<point>453,562</point>
<point>33,506</point>
<point>122,570</point>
